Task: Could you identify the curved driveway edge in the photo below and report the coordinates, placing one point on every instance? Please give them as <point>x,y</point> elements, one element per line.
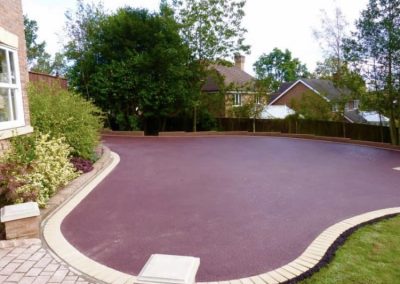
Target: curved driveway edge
<point>63,249</point>
<point>317,250</point>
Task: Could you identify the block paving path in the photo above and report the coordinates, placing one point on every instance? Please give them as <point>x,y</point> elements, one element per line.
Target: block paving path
<point>28,262</point>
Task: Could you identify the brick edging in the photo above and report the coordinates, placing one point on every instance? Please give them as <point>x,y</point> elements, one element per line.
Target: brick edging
<point>64,193</point>
<point>315,254</point>
<point>58,245</point>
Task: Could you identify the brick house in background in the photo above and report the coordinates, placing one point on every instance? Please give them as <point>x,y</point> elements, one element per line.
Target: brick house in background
<point>294,91</point>
<point>232,85</point>
<point>14,109</point>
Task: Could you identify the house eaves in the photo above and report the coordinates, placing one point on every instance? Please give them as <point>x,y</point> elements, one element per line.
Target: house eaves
<point>293,85</point>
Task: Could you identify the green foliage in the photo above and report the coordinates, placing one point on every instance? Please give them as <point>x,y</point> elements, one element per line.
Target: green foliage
<point>51,168</point>
<point>22,150</point>
<point>36,170</point>
<point>373,49</point>
<point>141,69</point>
<point>371,255</point>
<point>278,67</point>
<point>38,59</point>
<point>39,178</point>
<point>312,106</point>
<point>212,28</point>
<point>10,183</point>
<point>64,114</point>
<point>331,34</point>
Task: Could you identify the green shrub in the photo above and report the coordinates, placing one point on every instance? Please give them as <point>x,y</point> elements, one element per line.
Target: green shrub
<point>41,177</point>
<point>22,150</point>
<point>64,114</point>
<point>11,182</point>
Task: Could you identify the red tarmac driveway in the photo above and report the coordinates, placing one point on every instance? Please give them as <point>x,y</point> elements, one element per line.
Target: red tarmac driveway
<point>244,205</point>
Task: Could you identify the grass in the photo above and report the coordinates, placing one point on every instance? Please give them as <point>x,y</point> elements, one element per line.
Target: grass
<point>370,255</point>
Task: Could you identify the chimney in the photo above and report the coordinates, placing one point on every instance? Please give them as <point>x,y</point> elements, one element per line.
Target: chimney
<point>239,61</point>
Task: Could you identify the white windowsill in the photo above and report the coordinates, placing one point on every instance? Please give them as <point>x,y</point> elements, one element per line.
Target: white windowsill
<point>8,133</point>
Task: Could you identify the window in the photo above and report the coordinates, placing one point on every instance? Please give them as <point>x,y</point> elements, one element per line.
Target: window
<point>11,109</point>
<point>356,104</point>
<point>237,99</point>
<point>258,99</point>
<point>335,108</point>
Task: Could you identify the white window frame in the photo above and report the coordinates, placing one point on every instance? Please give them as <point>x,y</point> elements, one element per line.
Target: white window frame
<point>20,116</point>
<point>356,104</point>
<point>237,99</point>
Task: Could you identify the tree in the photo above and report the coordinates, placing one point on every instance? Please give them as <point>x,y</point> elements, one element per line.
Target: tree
<point>278,67</point>
<point>331,35</point>
<point>81,29</point>
<point>374,50</point>
<point>38,59</point>
<point>312,106</point>
<point>212,28</point>
<point>136,67</point>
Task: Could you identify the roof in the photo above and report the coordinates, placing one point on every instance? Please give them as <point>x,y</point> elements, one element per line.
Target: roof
<point>277,111</point>
<point>374,117</point>
<point>354,116</point>
<point>232,75</point>
<point>325,88</point>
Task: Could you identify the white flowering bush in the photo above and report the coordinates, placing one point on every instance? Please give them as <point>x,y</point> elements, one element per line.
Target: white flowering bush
<point>48,171</point>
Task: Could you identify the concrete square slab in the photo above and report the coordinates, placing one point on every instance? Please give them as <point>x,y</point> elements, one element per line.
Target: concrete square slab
<point>19,211</point>
<point>169,269</point>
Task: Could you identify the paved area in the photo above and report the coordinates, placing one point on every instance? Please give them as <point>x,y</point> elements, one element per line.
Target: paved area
<point>28,262</point>
<point>244,205</point>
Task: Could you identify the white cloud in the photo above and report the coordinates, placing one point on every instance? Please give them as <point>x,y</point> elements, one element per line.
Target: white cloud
<point>270,23</point>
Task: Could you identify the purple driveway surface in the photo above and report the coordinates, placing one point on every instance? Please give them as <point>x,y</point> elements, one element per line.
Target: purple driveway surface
<point>244,205</point>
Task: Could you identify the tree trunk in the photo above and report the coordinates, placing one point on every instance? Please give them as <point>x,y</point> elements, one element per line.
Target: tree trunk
<point>393,129</point>
<point>381,127</point>
<point>163,124</point>
<point>195,119</point>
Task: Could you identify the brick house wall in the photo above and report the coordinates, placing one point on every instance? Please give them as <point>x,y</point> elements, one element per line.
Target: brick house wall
<point>12,35</point>
<point>293,94</point>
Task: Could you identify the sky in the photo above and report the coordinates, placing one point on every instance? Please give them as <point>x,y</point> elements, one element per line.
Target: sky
<point>270,23</point>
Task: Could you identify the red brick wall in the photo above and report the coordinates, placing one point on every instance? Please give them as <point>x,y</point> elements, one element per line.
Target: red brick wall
<point>295,93</point>
<point>11,19</point>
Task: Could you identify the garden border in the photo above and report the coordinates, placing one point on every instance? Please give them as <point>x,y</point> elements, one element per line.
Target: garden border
<point>316,254</point>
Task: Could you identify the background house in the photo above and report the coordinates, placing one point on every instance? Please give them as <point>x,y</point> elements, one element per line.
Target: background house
<point>292,93</point>
<point>14,109</point>
<point>234,87</point>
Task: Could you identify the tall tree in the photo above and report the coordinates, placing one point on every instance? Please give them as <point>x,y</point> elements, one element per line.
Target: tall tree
<point>375,50</point>
<point>278,67</point>
<point>81,30</point>
<point>136,66</point>
<point>38,59</point>
<point>331,34</point>
<point>212,28</point>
